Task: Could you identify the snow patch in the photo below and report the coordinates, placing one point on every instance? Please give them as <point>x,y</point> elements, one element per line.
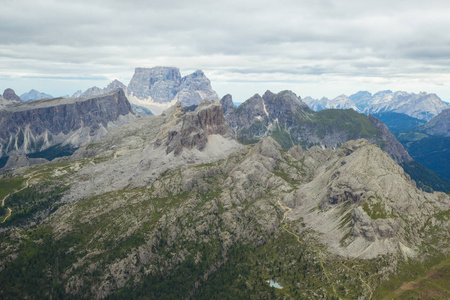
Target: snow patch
<point>155,107</point>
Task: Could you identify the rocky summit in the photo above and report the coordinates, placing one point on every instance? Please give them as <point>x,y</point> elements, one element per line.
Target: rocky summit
<point>34,126</point>
<point>10,95</point>
<point>173,206</point>
<point>160,87</point>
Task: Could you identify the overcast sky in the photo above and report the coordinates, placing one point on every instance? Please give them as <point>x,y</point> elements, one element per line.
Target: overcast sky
<point>313,47</point>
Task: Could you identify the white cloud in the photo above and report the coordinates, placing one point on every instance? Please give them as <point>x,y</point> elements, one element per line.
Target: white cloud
<point>312,47</point>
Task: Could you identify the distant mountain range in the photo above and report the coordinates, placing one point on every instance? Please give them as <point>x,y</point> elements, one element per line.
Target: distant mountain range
<point>421,106</point>
<point>34,95</point>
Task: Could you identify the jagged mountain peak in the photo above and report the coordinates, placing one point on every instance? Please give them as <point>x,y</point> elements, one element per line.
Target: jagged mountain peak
<point>384,92</point>
<point>267,147</point>
<point>115,84</point>
<point>227,103</point>
<point>268,94</point>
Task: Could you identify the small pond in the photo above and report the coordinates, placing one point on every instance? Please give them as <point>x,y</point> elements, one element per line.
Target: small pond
<point>274,284</point>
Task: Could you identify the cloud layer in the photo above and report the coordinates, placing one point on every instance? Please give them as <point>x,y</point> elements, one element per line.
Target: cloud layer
<point>318,48</point>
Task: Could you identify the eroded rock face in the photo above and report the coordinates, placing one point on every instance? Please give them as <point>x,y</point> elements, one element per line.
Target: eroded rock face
<point>10,95</point>
<point>195,127</point>
<point>227,104</point>
<point>159,83</point>
<point>34,126</point>
<point>195,88</point>
<point>373,230</point>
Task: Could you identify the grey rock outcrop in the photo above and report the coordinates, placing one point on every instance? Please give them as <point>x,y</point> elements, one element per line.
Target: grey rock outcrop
<point>115,84</point>
<point>92,91</point>
<point>227,104</point>
<point>195,88</point>
<point>365,200</point>
<point>10,95</point>
<point>34,126</point>
<point>196,126</point>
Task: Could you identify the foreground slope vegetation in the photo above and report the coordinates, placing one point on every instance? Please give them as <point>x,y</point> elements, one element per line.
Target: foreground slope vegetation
<point>173,207</point>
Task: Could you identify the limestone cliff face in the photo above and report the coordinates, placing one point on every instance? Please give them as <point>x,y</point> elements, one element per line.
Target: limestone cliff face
<point>34,126</point>
<point>162,85</point>
<point>195,88</point>
<point>194,128</point>
<point>159,83</point>
<point>227,104</point>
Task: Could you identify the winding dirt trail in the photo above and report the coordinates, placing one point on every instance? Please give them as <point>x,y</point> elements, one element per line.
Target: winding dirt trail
<point>284,227</point>
<point>361,279</point>
<point>27,184</point>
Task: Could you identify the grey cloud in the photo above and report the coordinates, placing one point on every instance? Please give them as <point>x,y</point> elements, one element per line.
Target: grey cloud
<point>296,40</point>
